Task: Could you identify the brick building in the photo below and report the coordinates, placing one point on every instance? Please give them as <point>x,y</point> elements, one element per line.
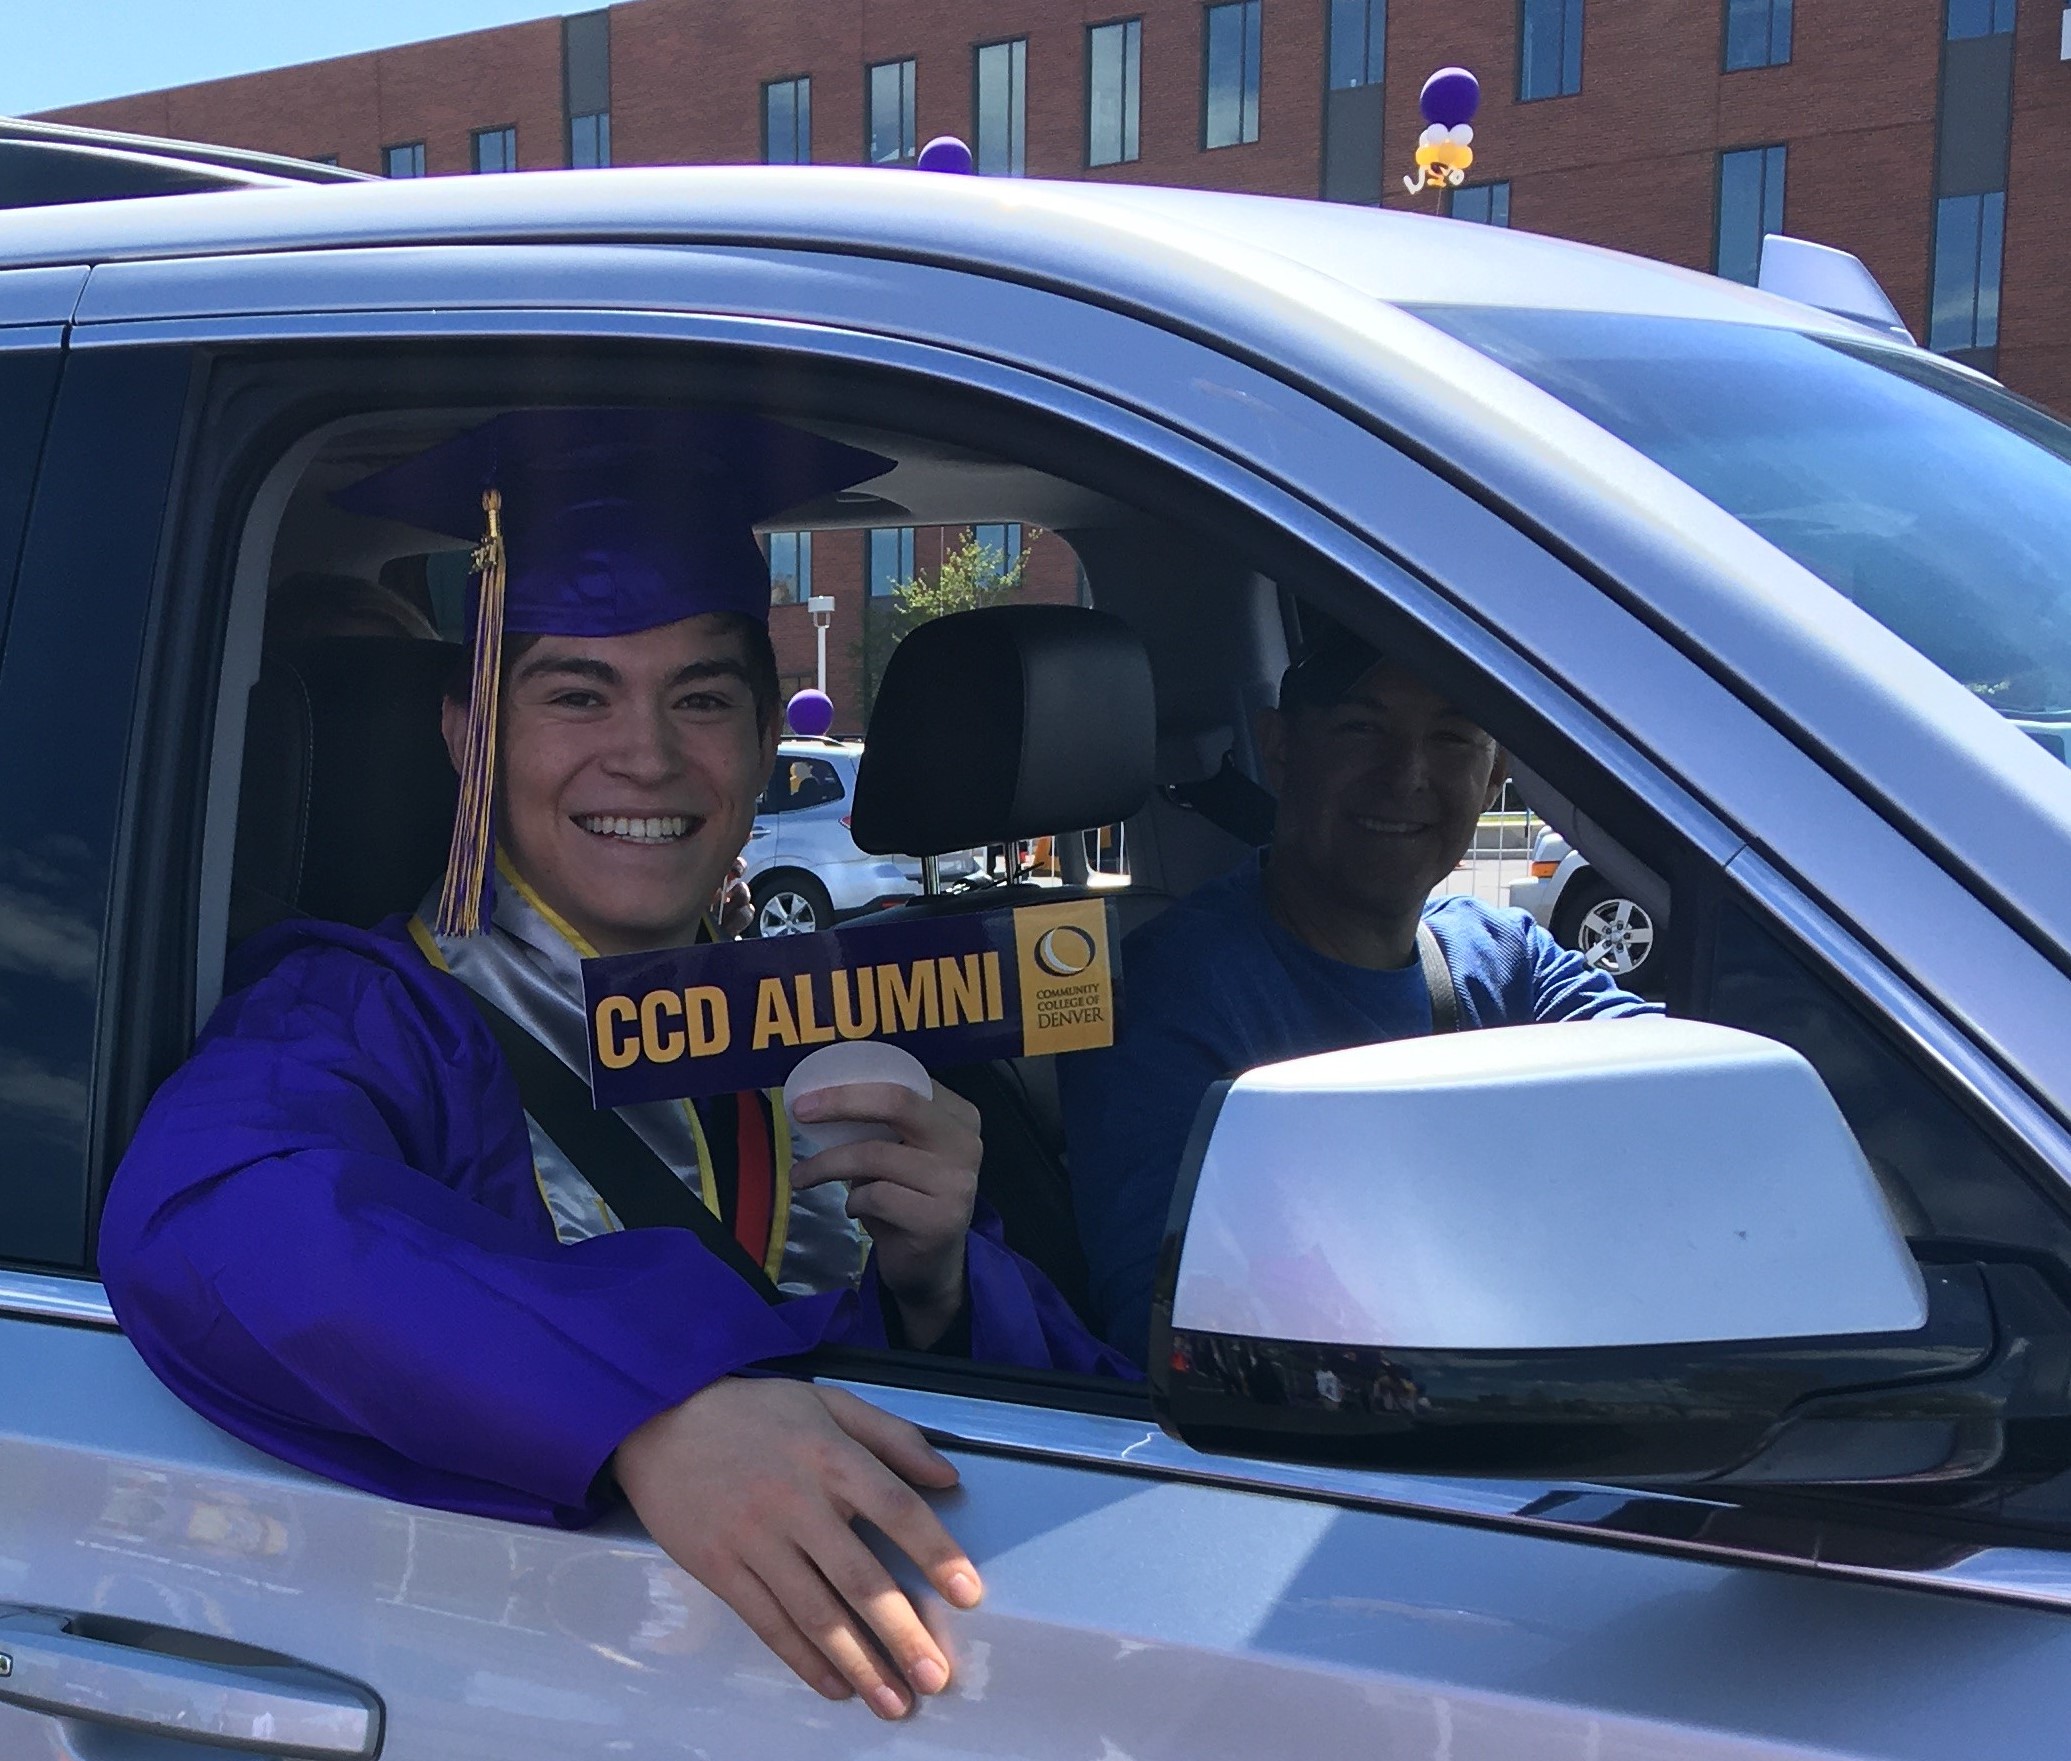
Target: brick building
<point>1917,133</point>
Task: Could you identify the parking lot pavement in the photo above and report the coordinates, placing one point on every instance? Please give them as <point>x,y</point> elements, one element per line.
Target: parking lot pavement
<point>1488,878</point>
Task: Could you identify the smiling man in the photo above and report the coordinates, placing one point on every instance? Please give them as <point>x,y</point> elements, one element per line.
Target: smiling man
<point>1381,783</point>
<point>340,1233</point>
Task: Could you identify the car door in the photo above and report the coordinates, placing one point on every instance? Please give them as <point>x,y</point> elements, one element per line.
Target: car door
<point>1143,1599</point>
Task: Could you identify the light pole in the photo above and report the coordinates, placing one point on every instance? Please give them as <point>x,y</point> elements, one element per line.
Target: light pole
<point>821,605</point>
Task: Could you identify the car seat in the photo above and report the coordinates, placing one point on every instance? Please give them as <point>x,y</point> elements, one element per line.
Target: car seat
<point>347,798</point>
<point>1011,722</point>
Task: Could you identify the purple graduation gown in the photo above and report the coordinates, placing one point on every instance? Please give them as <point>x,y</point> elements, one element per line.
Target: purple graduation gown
<point>327,1238</point>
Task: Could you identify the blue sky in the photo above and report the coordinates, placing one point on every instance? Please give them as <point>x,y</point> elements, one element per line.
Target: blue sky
<point>73,51</point>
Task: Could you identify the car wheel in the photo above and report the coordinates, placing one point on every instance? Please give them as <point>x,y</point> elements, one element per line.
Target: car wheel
<point>1615,934</point>
<point>790,905</point>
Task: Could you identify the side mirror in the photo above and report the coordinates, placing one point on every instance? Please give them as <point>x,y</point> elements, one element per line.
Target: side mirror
<point>1634,1249</point>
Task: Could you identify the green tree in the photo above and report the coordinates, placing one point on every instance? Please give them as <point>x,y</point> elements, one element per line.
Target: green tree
<point>970,575</point>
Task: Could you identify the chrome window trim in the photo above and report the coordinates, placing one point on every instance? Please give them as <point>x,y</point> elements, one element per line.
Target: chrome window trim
<point>1600,1515</point>
<point>43,1296</point>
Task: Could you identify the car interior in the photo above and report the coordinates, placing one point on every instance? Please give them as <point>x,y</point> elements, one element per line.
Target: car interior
<point>1067,717</point>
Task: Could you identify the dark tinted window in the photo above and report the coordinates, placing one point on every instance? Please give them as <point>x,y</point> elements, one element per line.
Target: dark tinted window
<point>68,682</point>
<point>27,378</point>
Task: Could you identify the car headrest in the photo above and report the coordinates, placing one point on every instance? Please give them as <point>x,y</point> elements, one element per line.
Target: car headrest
<point>1003,723</point>
<point>348,794</point>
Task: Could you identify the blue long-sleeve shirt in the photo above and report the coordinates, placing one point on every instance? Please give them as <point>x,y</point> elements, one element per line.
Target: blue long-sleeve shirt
<point>1214,986</point>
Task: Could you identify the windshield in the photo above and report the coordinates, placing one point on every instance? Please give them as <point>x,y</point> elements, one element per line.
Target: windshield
<point>1939,504</point>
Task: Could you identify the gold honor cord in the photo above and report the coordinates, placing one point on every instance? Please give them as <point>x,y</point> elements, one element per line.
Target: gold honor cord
<point>467,860</point>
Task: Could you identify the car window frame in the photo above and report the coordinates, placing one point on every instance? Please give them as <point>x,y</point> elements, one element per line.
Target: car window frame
<point>1434,624</point>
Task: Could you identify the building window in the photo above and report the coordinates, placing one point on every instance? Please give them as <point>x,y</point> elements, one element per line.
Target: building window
<point>889,559</point>
<point>1969,241</point>
<point>1114,90</point>
<point>1549,49</point>
<point>1758,33</point>
<point>1750,207</point>
<point>1355,105</point>
<point>1004,541</point>
<point>405,160</point>
<point>496,149</point>
<point>790,568</point>
<point>589,140</point>
<point>891,126</point>
<point>1488,203</point>
<point>1001,106</point>
<point>586,87</point>
<point>1358,43</point>
<point>1230,66</point>
<point>1979,18</point>
<point>787,122</point>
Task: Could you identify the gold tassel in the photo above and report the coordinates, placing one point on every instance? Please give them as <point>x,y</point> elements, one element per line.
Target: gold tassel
<point>467,860</point>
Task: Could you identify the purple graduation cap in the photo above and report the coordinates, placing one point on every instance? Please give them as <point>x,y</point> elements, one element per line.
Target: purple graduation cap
<point>595,522</point>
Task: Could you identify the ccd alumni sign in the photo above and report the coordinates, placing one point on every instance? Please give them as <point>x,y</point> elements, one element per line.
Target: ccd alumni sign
<point>726,1016</point>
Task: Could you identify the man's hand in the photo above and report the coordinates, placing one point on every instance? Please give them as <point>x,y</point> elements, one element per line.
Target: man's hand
<point>914,1195</point>
<point>751,1487</point>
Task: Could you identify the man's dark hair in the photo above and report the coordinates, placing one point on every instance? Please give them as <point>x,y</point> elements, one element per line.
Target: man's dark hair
<point>758,657</point>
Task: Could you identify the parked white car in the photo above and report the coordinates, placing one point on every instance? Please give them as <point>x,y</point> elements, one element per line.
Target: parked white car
<point>804,870</point>
<point>1581,908</point>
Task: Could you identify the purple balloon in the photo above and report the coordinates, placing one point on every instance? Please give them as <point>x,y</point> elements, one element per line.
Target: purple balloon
<point>945,153</point>
<point>1450,97</point>
<point>810,712</point>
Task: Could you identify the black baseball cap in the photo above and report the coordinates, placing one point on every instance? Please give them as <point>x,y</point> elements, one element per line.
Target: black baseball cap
<point>1326,669</point>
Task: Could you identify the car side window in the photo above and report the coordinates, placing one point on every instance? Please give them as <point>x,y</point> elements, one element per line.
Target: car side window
<point>75,624</point>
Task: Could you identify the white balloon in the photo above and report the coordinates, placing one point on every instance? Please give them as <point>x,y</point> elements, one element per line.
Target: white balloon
<point>1461,133</point>
<point>1432,135</point>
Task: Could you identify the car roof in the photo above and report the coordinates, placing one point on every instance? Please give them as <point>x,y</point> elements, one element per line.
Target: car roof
<point>57,164</point>
<point>1100,238</point>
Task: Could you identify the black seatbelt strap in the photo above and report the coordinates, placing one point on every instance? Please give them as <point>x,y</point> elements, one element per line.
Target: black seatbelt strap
<point>641,1189</point>
<point>1438,980</point>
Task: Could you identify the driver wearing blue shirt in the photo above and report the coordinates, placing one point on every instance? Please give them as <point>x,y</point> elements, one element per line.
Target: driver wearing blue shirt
<point>1307,949</point>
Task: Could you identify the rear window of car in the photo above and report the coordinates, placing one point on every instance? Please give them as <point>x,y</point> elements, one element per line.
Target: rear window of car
<point>801,782</point>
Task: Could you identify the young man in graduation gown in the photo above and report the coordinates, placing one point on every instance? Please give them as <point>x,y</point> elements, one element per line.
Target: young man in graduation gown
<point>338,1234</point>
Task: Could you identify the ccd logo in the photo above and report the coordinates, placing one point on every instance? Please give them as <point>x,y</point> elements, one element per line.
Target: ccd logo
<point>1064,952</point>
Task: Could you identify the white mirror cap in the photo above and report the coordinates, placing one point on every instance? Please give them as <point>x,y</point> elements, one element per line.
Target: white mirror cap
<point>1833,281</point>
<point>1639,1181</point>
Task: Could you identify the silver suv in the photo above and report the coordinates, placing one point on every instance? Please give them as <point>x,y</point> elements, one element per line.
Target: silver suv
<point>804,870</point>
